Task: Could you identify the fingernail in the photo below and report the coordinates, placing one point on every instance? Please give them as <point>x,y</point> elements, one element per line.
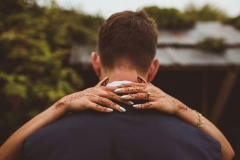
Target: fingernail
<point>122,109</point>
<point>124,96</point>
<point>131,102</point>
<point>110,109</point>
<point>141,80</point>
<point>105,81</point>
<point>135,105</point>
<point>117,90</point>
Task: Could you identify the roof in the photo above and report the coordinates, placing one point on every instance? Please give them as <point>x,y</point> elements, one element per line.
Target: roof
<point>199,31</point>
<point>189,58</point>
<point>175,49</point>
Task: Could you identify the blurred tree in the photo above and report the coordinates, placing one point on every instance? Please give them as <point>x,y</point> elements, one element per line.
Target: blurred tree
<point>35,45</point>
<point>169,18</point>
<point>207,12</point>
<point>212,44</point>
<point>234,22</point>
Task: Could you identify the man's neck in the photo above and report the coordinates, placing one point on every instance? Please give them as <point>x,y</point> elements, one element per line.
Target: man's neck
<point>123,75</point>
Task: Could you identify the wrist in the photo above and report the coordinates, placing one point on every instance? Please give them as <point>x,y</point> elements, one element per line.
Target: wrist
<point>191,116</point>
<point>66,107</point>
<point>180,108</point>
<point>62,104</point>
<point>200,120</point>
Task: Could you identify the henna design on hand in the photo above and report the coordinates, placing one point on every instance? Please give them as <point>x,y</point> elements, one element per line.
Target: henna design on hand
<point>147,105</point>
<point>144,106</point>
<point>106,101</point>
<point>59,104</point>
<point>113,95</point>
<point>158,95</point>
<point>180,105</point>
<point>98,107</point>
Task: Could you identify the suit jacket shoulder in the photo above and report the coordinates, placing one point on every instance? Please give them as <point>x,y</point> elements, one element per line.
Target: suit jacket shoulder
<point>135,134</point>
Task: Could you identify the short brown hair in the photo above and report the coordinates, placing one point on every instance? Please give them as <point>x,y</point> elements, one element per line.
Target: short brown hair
<point>131,35</point>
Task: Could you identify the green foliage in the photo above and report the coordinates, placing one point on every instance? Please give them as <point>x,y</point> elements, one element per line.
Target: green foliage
<point>207,12</point>
<point>215,45</point>
<point>234,22</point>
<point>35,45</point>
<point>169,18</point>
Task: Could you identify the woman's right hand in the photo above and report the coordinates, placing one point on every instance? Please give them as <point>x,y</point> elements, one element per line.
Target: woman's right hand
<point>97,98</point>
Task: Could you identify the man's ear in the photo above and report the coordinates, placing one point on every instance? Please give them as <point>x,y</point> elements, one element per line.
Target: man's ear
<point>96,63</point>
<point>153,70</point>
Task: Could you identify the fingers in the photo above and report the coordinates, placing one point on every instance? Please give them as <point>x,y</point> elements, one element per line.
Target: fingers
<point>147,105</point>
<point>132,85</point>
<point>108,88</point>
<point>99,101</point>
<point>137,96</point>
<point>135,89</point>
<point>107,92</point>
<point>99,108</point>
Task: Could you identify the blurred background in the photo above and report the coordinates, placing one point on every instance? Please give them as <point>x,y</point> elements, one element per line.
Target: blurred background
<point>45,49</point>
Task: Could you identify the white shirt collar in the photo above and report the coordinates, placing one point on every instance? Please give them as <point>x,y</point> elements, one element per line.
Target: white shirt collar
<point>116,83</point>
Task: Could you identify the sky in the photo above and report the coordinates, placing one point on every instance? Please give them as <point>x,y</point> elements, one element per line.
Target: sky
<point>107,7</point>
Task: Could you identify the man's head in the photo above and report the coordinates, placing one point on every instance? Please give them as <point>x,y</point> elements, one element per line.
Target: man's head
<point>127,38</point>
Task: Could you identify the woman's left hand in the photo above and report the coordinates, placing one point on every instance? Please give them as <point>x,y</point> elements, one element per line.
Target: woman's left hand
<point>157,99</point>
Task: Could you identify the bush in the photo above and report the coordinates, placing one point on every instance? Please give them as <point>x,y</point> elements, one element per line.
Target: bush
<point>216,45</point>
<point>169,18</point>
<point>235,22</point>
<point>35,45</point>
<point>206,12</point>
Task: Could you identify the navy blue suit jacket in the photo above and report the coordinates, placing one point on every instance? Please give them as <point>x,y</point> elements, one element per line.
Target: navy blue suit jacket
<point>133,135</point>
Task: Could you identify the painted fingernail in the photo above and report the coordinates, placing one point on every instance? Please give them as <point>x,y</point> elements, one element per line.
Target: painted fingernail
<point>122,109</point>
<point>105,81</point>
<point>110,109</point>
<point>117,90</point>
<point>135,105</point>
<point>124,96</point>
<point>131,102</point>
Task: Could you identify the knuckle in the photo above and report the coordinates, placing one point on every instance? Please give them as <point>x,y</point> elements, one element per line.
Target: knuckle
<point>147,105</point>
<point>110,103</point>
<point>133,95</point>
<point>98,107</point>
<point>103,88</point>
<point>111,94</point>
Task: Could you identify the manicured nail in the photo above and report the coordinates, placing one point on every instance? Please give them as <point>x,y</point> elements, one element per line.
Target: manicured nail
<point>105,81</point>
<point>131,102</point>
<point>135,105</point>
<point>124,96</point>
<point>110,109</point>
<point>117,90</point>
<point>122,109</point>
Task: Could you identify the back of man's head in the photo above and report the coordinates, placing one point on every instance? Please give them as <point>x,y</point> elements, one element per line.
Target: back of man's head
<point>128,35</point>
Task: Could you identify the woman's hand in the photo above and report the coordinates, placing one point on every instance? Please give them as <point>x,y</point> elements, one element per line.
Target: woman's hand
<point>157,99</point>
<point>97,98</point>
<point>163,102</point>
